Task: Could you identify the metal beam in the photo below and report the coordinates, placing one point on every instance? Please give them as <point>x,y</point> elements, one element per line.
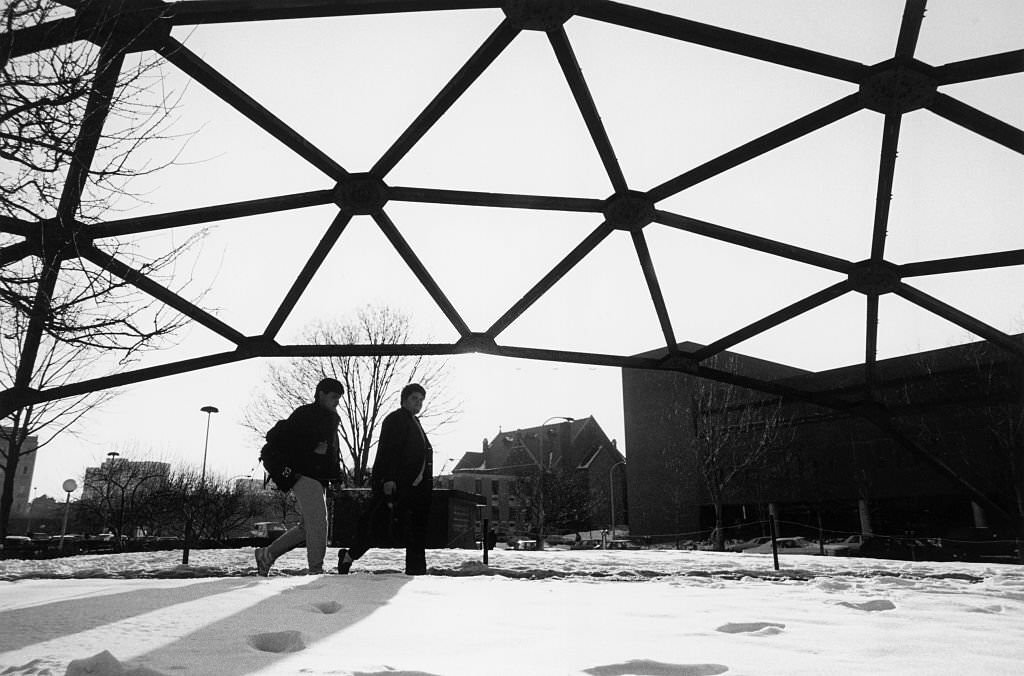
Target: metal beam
<point>870,345</point>
<point>206,75</point>
<point>726,40</point>
<point>785,314</point>
<point>41,308</point>
<point>418,269</point>
<point>993,65</point>
<point>491,199</point>
<point>980,123</point>
<point>883,193</point>
<point>48,35</point>
<point>16,226</point>
<point>754,242</point>
<point>220,212</point>
<point>585,102</point>
<point>108,69</point>
<point>822,117</point>
<point>654,287</point>
<point>963,263</point>
<point>161,293</point>
<point>910,29</point>
<point>960,318</point>
<point>311,267</point>
<point>550,279</point>
<point>494,45</point>
<point>16,252</point>
<point>225,11</point>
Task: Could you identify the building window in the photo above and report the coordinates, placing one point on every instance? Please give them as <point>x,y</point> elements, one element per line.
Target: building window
<point>495,486</point>
<point>479,486</point>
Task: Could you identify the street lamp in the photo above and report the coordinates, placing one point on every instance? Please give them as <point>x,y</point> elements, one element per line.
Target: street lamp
<point>208,410</point>
<point>540,483</point>
<point>611,492</point>
<point>69,487</point>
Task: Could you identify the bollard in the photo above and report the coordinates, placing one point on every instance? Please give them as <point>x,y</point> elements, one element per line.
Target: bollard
<point>775,544</point>
<point>485,539</point>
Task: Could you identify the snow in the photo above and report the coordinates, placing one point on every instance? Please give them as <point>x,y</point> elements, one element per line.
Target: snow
<point>603,613</point>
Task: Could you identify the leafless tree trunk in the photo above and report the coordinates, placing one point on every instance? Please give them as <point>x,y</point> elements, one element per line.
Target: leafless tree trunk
<point>733,434</point>
<point>372,385</point>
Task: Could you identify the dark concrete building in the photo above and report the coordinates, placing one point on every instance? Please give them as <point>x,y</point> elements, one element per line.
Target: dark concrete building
<point>505,472</point>
<point>957,459</point>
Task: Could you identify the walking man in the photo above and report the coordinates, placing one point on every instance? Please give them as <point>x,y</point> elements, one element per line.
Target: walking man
<point>402,481</point>
<point>302,454</point>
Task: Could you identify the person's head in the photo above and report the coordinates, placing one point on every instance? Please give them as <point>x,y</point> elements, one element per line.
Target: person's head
<point>328,393</point>
<point>412,397</point>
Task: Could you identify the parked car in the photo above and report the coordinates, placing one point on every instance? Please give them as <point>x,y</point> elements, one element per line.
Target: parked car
<point>978,544</point>
<point>525,545</point>
<point>794,545</point>
<point>743,546</point>
<point>849,546</point>
<point>904,549</point>
<point>622,544</point>
<point>18,546</point>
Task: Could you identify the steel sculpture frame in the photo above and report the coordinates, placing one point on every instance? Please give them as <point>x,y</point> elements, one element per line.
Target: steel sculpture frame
<point>891,88</point>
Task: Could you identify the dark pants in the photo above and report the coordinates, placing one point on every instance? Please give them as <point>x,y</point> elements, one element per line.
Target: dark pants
<point>405,523</point>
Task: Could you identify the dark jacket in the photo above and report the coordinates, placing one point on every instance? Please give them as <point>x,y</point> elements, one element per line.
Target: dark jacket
<point>305,428</point>
<point>402,450</point>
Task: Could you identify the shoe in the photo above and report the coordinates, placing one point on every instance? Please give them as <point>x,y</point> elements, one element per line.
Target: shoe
<point>319,570</point>
<point>263,561</point>
<point>344,565</point>
<point>418,571</point>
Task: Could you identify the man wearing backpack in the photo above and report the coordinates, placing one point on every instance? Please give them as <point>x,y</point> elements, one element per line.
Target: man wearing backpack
<point>302,455</point>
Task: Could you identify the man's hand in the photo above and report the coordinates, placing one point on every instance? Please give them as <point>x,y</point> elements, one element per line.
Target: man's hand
<point>321,448</point>
<point>389,488</point>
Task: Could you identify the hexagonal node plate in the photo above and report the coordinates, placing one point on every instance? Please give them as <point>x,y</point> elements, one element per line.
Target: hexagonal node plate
<point>361,194</point>
<point>871,278</point>
<point>135,26</point>
<point>539,15</point>
<point>630,210</point>
<point>898,89</point>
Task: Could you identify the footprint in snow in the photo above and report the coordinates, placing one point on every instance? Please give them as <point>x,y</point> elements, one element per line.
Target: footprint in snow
<point>652,668</point>
<point>990,610</point>
<point>393,672</point>
<point>327,607</point>
<point>278,642</point>
<point>871,606</point>
<point>754,628</point>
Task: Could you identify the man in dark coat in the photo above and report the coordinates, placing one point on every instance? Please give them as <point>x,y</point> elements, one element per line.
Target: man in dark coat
<point>402,481</point>
<point>303,455</point>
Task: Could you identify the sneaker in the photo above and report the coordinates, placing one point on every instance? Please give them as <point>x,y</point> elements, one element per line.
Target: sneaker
<point>344,562</point>
<point>263,561</point>
<point>319,570</point>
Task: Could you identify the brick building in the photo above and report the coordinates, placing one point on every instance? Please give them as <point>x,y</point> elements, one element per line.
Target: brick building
<point>23,473</point>
<point>505,473</point>
<point>963,405</point>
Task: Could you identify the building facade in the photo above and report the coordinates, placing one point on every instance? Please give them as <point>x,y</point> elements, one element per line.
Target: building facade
<point>579,459</point>
<point>23,473</point>
<point>959,418</point>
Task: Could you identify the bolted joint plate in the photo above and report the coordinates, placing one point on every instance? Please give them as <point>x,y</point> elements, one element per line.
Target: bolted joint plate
<point>539,15</point>
<point>361,194</point>
<point>477,342</point>
<point>133,25</point>
<point>630,210</point>
<point>898,89</point>
<point>55,241</point>
<point>874,278</point>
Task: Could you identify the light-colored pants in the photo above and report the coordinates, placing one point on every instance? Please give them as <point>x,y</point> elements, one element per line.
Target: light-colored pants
<point>312,529</point>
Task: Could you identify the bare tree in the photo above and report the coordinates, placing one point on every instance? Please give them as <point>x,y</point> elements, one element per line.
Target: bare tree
<point>119,493</point>
<point>372,385</point>
<point>733,434</point>
<point>73,121</point>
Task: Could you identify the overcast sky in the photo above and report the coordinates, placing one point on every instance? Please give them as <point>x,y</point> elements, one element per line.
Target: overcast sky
<point>351,85</point>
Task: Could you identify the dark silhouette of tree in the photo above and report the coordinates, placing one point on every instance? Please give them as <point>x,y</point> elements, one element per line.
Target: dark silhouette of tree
<point>372,385</point>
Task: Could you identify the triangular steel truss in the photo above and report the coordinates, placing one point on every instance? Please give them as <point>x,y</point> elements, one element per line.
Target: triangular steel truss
<point>890,88</point>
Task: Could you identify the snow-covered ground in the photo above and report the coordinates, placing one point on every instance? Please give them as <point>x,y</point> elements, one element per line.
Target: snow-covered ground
<point>603,613</point>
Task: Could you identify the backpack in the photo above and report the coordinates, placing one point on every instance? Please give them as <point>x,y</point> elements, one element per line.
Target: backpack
<point>274,459</point>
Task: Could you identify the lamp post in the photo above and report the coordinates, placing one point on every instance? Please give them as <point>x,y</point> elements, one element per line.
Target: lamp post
<point>69,487</point>
<point>611,492</point>
<point>540,482</point>
<point>209,411</point>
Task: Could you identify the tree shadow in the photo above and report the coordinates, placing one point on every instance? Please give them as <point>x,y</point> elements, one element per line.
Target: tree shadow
<point>23,627</point>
